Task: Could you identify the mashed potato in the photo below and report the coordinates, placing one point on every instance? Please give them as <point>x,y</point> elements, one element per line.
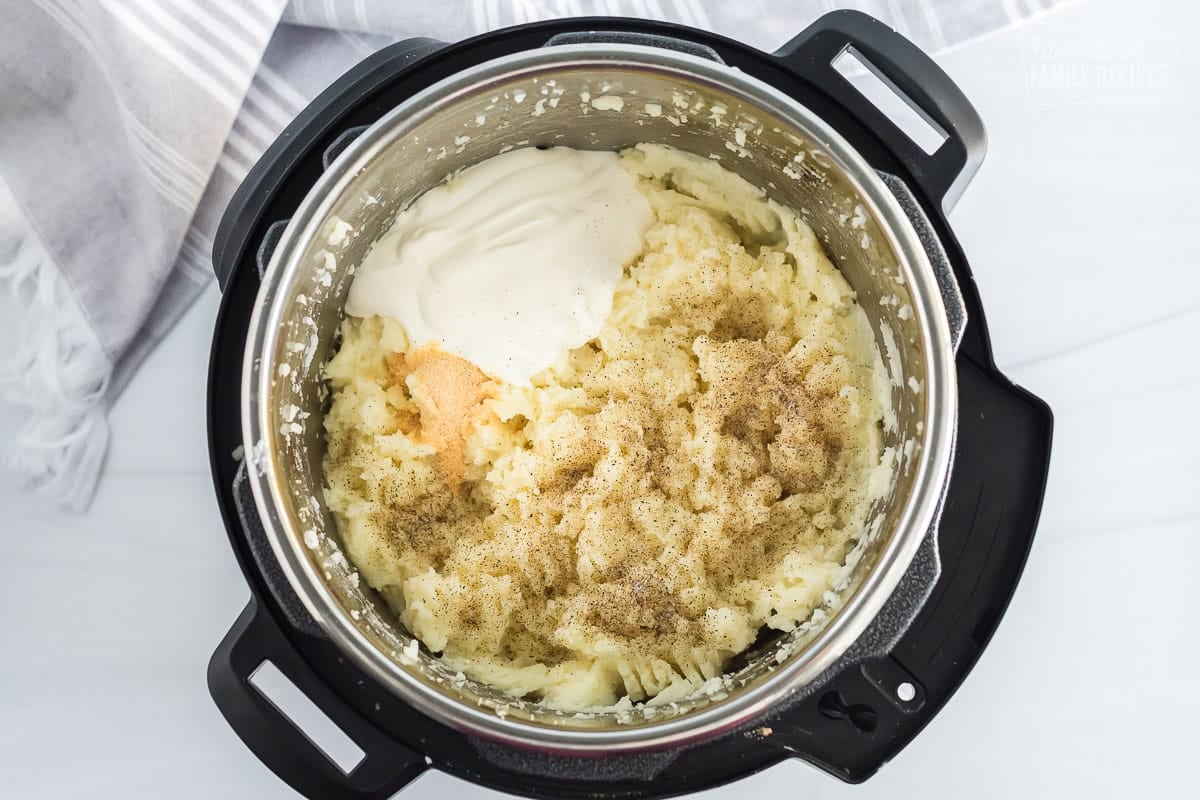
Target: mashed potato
<point>627,524</point>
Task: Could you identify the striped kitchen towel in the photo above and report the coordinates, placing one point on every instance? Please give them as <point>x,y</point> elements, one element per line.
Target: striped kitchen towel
<point>125,125</point>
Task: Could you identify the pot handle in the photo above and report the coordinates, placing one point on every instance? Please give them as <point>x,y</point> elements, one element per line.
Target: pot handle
<point>915,77</point>
<point>386,765</point>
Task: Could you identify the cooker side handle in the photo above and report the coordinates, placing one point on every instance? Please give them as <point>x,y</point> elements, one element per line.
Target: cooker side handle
<point>914,77</point>
<point>255,638</point>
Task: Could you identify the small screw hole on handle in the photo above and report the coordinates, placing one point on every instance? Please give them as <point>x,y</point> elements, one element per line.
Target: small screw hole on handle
<point>894,104</point>
<point>318,728</point>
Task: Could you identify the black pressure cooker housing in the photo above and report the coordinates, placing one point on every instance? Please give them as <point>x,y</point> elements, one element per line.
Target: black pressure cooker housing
<point>856,722</point>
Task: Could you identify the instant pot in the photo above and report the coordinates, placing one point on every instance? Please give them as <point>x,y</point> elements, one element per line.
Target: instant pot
<point>924,588</point>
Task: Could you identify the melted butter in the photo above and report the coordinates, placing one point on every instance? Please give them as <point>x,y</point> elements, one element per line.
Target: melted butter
<point>510,262</point>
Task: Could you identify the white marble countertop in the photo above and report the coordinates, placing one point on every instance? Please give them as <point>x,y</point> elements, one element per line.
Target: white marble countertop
<point>1080,229</point>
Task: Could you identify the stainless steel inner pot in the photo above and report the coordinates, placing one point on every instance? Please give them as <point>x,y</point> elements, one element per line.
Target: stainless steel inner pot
<point>545,97</point>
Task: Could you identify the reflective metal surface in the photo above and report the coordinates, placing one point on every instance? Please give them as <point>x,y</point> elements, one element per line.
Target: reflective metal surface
<point>542,97</point>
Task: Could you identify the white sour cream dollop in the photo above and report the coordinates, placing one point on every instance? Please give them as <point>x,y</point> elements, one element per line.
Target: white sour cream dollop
<point>511,261</point>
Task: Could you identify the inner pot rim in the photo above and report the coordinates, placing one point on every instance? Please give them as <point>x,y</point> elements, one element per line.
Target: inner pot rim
<point>864,602</point>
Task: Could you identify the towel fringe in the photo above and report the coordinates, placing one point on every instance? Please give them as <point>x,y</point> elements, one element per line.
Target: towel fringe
<point>59,372</point>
